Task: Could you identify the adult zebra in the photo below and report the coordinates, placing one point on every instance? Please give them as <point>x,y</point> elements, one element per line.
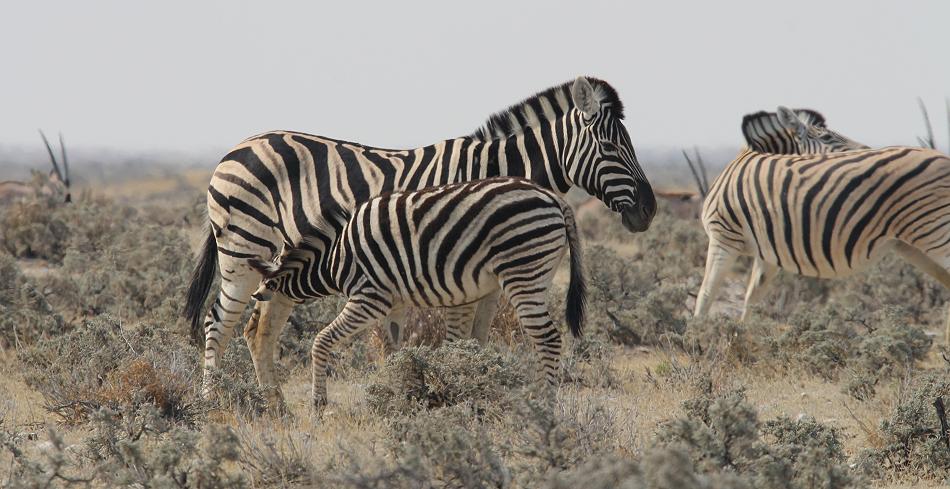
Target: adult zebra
<point>828,214</point>
<point>445,246</point>
<point>270,189</point>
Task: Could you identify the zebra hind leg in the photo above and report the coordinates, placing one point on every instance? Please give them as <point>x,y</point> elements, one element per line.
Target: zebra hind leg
<point>458,322</point>
<point>533,314</point>
<point>762,275</point>
<point>929,265</point>
<point>484,313</point>
<point>357,316</point>
<point>237,285</point>
<point>393,328</point>
<point>718,261</point>
<point>262,334</point>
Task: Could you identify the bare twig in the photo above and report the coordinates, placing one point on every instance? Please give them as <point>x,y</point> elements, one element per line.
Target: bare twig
<point>942,416</point>
<point>927,142</point>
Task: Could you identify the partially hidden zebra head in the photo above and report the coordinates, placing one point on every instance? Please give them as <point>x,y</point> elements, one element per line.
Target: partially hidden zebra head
<point>281,277</point>
<point>269,282</point>
<point>809,133</point>
<point>602,160</point>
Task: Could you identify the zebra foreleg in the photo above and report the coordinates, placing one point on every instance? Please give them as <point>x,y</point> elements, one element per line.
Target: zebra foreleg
<point>718,261</point>
<point>762,275</point>
<point>263,335</point>
<point>484,313</point>
<point>358,315</point>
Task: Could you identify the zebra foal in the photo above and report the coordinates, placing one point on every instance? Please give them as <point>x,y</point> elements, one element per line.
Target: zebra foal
<point>447,246</point>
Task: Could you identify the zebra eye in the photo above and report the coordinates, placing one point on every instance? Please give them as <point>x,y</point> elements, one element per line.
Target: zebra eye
<point>609,147</point>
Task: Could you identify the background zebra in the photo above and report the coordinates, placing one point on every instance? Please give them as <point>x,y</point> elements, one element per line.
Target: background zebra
<point>442,246</point>
<point>826,215</point>
<point>270,190</point>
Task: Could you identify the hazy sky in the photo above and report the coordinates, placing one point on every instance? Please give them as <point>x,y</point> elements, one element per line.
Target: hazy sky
<point>202,75</point>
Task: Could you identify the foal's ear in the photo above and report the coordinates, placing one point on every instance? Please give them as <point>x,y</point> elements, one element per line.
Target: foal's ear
<point>265,268</point>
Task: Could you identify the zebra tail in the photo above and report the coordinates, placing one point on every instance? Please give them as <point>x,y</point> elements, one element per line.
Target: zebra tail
<point>577,288</point>
<point>200,287</point>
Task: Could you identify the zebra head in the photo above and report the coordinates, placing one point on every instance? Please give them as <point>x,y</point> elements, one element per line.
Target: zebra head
<point>601,159</point>
<point>282,277</point>
<point>810,133</point>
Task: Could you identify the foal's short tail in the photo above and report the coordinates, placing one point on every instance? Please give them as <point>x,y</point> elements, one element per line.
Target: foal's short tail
<point>577,288</point>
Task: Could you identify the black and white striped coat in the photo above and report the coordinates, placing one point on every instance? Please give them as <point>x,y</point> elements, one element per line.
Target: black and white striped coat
<point>270,190</point>
<point>446,246</point>
<point>826,215</point>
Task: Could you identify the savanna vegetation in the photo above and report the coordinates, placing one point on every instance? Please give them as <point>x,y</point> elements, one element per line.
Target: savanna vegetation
<point>829,384</point>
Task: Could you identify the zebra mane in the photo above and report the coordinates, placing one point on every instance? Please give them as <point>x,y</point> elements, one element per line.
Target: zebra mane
<point>546,105</point>
<point>764,132</point>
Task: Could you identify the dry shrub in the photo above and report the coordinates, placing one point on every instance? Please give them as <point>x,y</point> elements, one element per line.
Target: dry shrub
<point>102,364</point>
<point>637,300</point>
<point>547,437</point>
<point>914,445</point>
<point>35,229</point>
<point>452,448</point>
<point>140,274</point>
<point>457,372</point>
<point>721,434</point>
<point>25,315</point>
<point>866,346</point>
<point>124,451</point>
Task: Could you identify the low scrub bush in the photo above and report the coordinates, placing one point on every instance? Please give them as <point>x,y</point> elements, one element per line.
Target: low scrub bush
<point>722,434</point>
<point>25,315</point>
<point>124,451</point>
<point>915,443</point>
<point>454,373</point>
<point>101,364</point>
<point>866,346</point>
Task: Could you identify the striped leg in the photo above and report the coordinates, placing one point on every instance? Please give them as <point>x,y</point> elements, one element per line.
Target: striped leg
<point>759,280</point>
<point>532,310</point>
<point>263,335</point>
<point>718,261</point>
<point>238,282</point>
<point>485,312</point>
<point>359,314</point>
<point>458,322</point>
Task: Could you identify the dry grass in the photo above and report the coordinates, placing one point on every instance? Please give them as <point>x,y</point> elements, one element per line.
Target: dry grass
<point>617,399</point>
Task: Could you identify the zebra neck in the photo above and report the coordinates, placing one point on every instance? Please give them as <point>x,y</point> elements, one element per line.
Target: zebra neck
<point>533,154</point>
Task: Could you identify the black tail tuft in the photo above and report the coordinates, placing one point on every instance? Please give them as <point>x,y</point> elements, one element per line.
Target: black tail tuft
<point>200,287</point>
<point>577,288</point>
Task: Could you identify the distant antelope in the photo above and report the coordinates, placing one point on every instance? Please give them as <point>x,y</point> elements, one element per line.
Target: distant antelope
<point>55,184</point>
<point>687,204</point>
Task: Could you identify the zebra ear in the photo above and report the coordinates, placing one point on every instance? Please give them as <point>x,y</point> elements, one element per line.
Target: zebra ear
<point>791,121</point>
<point>583,94</point>
<point>265,268</point>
